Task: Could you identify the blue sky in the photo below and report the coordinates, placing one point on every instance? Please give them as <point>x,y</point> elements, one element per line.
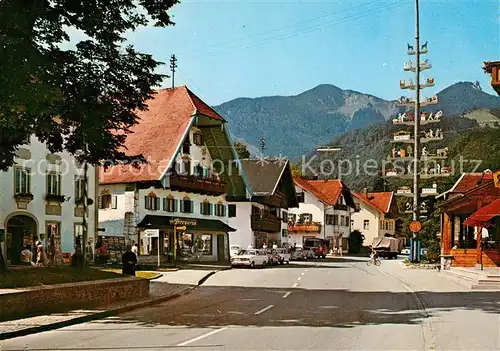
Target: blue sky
<point>230,49</point>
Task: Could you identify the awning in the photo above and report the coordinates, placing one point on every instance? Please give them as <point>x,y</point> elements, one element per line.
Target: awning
<point>168,222</point>
<point>481,217</point>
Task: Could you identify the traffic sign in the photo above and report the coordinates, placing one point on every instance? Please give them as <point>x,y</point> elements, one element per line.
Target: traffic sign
<point>415,226</point>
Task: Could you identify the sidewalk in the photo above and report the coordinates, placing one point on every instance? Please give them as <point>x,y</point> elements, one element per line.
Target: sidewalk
<point>168,286</point>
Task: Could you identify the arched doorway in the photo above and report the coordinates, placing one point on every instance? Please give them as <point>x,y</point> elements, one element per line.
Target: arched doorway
<point>21,231</point>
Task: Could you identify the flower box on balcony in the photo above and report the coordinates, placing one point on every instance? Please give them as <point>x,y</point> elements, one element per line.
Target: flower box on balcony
<point>24,197</point>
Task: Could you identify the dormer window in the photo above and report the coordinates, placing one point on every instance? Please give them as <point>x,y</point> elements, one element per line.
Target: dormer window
<point>198,139</point>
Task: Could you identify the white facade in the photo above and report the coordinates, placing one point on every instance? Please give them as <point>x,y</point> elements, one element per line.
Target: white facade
<point>371,223</point>
<point>127,206</point>
<point>34,164</point>
<point>335,223</point>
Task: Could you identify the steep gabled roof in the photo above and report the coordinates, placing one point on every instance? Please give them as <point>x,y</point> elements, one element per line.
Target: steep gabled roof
<point>158,135</point>
<point>263,176</point>
<point>327,191</point>
<point>378,201</point>
<point>466,182</point>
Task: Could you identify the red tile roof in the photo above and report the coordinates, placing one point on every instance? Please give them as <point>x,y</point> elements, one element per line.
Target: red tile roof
<point>160,130</point>
<point>327,191</point>
<point>469,181</point>
<point>379,201</point>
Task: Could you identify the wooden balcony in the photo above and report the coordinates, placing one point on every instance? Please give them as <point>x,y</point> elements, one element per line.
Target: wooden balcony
<point>268,223</point>
<point>341,207</point>
<point>189,183</point>
<point>304,228</point>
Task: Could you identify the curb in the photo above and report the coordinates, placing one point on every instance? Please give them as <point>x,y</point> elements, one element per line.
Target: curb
<point>103,314</point>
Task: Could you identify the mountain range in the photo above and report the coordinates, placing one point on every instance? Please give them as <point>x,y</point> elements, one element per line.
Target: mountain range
<point>295,125</point>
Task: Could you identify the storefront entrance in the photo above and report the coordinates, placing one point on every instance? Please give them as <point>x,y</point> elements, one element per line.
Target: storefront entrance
<point>21,231</point>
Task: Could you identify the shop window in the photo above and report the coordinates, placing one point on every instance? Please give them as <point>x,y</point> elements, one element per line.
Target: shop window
<point>205,208</point>
<point>196,245</point>
<point>169,204</point>
<point>151,202</point>
<point>108,201</point>
<point>220,210</point>
<point>231,210</point>
<point>22,181</point>
<point>187,206</point>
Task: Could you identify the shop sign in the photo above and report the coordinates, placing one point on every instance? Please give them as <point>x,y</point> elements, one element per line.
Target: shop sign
<point>183,222</point>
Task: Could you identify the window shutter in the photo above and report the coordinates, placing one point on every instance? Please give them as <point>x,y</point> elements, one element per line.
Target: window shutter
<point>114,200</point>
<point>59,184</point>
<point>99,202</point>
<point>165,204</point>
<point>175,205</point>
<point>191,206</point>
<point>223,210</point>
<point>48,183</point>
<point>157,203</point>
<point>231,209</point>
<point>201,208</point>
<point>146,205</point>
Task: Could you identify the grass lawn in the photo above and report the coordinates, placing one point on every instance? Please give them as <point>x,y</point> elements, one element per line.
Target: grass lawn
<point>139,274</point>
<point>21,278</point>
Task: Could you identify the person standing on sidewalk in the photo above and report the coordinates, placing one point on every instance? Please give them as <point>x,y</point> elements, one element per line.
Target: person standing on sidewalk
<point>129,262</point>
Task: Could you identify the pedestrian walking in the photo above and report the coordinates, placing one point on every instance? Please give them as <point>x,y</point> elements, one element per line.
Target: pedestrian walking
<point>129,262</point>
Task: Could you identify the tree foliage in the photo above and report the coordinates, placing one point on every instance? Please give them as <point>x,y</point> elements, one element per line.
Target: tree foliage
<point>241,150</point>
<point>82,99</point>
<point>356,241</point>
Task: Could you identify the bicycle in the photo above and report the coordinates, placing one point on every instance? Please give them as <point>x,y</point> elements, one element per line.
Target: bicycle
<point>372,261</point>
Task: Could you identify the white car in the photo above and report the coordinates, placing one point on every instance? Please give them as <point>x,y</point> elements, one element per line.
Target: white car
<point>250,258</point>
<point>284,255</point>
<point>405,251</point>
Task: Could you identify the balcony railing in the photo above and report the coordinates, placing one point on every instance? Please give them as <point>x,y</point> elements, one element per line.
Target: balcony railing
<point>341,207</point>
<point>200,185</point>
<point>304,228</point>
<point>267,223</point>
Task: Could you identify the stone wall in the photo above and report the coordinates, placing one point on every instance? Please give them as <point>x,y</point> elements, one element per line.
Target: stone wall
<point>17,303</point>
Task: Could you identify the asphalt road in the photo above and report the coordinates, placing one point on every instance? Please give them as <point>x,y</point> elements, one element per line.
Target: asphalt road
<point>337,305</point>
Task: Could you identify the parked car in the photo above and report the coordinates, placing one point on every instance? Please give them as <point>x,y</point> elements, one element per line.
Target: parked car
<point>284,255</point>
<point>250,258</point>
<point>298,254</point>
<point>405,251</point>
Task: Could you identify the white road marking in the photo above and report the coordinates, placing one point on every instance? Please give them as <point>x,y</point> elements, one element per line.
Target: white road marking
<point>295,284</point>
<point>264,309</point>
<point>299,278</point>
<point>190,341</point>
<point>287,294</point>
<point>302,273</point>
<point>307,270</point>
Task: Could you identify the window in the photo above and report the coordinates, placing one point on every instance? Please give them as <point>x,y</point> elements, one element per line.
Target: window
<point>108,201</point>
<point>255,211</point>
<point>186,167</point>
<point>198,170</point>
<point>352,222</point>
<point>366,224</point>
<point>198,139</point>
<point>53,184</point>
<point>22,181</point>
<point>231,210</point>
<point>186,146</point>
<point>151,202</point>
<point>220,210</point>
<point>292,217</point>
<point>169,204</point>
<point>187,206</point>
<point>79,188</point>
<point>336,220</point>
<point>284,216</point>
<point>307,218</point>
<point>284,233</point>
<point>196,244</point>
<point>206,208</point>
<point>300,197</point>
<point>79,231</point>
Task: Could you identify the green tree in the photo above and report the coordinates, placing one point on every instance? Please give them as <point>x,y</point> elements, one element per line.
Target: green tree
<point>82,99</point>
<point>241,150</point>
<point>355,241</point>
<point>296,170</point>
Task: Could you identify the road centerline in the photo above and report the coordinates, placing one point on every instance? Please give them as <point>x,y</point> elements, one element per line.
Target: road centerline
<point>190,341</point>
<point>295,284</point>
<point>287,294</point>
<point>299,278</point>
<point>302,273</point>
<point>264,309</point>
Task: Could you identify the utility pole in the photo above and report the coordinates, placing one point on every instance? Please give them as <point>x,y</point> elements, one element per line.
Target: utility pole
<point>416,175</point>
<point>173,66</point>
